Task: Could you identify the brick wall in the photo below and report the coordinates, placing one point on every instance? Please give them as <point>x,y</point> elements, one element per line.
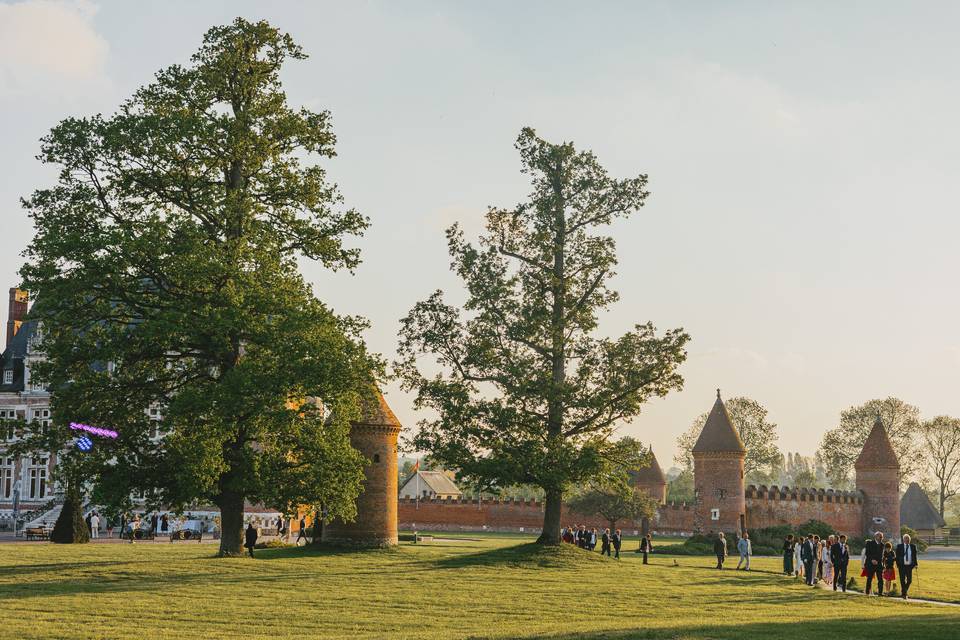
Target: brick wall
<point>514,515</point>
<point>769,507</point>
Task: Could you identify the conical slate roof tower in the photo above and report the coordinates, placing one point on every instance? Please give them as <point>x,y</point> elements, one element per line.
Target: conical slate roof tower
<point>878,477</point>
<point>718,461</point>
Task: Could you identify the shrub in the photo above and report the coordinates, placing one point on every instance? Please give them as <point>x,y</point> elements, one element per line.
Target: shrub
<point>914,538</point>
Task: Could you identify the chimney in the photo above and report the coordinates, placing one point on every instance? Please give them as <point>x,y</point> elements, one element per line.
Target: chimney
<point>16,312</point>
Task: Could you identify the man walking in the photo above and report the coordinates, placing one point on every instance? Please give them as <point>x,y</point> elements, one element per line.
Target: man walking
<point>808,552</point>
<point>743,546</point>
<point>874,562</point>
<point>617,541</point>
<point>646,546</point>
<point>906,563</point>
<point>605,543</point>
<point>840,557</point>
<point>720,548</point>
<point>302,533</point>
<point>94,526</point>
<point>250,538</point>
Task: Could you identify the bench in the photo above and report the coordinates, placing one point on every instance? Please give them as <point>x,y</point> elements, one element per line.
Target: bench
<point>37,533</point>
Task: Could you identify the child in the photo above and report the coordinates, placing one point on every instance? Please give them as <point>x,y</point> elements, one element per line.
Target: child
<point>889,560</point>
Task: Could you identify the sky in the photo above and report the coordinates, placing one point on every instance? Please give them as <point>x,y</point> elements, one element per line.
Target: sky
<point>802,159</point>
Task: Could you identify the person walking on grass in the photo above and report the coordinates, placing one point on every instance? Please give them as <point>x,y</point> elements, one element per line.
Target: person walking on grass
<point>817,557</point>
<point>808,555</point>
<point>94,526</point>
<point>797,561</point>
<point>720,549</point>
<point>746,550</point>
<point>302,533</point>
<point>788,555</point>
<point>825,559</point>
<point>605,543</point>
<point>593,539</point>
<point>906,563</point>
<point>646,546</point>
<point>617,542</point>
<point>873,562</point>
<point>840,558</point>
<point>250,538</point>
<point>889,564</point>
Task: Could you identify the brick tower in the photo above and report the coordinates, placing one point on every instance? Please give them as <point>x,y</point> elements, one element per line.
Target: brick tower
<point>718,459</point>
<point>652,480</point>
<point>878,477</point>
<point>375,436</point>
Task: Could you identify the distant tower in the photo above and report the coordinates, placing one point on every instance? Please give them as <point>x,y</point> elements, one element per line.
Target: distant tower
<point>718,458</point>
<point>375,436</point>
<point>16,312</point>
<point>652,480</point>
<point>878,477</point>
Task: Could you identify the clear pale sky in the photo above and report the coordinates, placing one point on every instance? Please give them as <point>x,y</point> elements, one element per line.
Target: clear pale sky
<point>803,163</point>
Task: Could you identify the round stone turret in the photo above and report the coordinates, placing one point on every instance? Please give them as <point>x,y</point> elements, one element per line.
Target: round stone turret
<point>375,436</point>
<point>718,463</point>
<point>878,477</point>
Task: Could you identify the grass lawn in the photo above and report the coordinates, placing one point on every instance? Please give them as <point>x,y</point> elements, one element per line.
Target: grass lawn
<point>491,588</point>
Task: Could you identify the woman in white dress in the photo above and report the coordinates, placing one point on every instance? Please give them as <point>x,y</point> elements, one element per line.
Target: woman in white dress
<point>827,563</point>
<point>797,565</point>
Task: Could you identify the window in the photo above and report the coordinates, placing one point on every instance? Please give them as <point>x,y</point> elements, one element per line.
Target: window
<point>8,376</point>
<point>714,514</point>
<point>7,431</point>
<point>42,416</point>
<point>6,478</point>
<point>376,457</point>
<point>38,478</point>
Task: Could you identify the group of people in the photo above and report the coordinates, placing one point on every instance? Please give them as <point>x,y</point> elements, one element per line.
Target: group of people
<point>827,560</point>
<point>744,548</point>
<point>588,538</point>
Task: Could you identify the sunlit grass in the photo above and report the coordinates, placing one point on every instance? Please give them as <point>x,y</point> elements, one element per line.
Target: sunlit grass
<point>493,588</point>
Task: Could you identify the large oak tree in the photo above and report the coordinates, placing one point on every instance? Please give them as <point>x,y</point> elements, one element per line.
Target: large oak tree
<point>165,264</point>
<point>524,389</point>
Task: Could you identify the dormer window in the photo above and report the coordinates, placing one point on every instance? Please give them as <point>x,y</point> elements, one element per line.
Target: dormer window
<point>8,376</point>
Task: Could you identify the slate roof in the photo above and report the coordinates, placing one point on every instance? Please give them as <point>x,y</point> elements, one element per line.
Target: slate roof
<point>437,481</point>
<point>916,510</point>
<point>13,356</point>
<point>718,434</point>
<point>650,474</point>
<point>877,452</point>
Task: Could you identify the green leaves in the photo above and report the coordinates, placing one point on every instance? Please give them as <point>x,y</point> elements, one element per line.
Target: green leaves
<point>525,392</point>
<point>168,249</point>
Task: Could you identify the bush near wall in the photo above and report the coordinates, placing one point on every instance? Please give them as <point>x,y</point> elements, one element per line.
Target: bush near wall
<point>767,541</point>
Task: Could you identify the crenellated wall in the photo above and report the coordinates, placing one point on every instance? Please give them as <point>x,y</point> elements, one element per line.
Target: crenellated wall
<point>773,506</point>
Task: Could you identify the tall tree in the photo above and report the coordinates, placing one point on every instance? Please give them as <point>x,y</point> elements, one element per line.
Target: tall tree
<point>941,440</point>
<point>841,445</point>
<point>759,436</point>
<point>165,259</point>
<point>526,392</point>
<point>613,503</point>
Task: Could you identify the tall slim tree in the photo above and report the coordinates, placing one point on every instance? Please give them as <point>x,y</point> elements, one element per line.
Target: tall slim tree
<point>841,445</point>
<point>526,392</point>
<point>941,441</point>
<point>165,263</point>
<point>758,433</point>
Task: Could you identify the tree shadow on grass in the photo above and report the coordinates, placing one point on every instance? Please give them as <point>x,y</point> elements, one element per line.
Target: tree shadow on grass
<point>530,555</point>
<point>894,626</point>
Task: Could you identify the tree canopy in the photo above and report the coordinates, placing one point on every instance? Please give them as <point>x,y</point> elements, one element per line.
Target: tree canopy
<point>524,390</point>
<point>759,436</point>
<point>941,443</point>
<point>841,445</point>
<point>165,269</point>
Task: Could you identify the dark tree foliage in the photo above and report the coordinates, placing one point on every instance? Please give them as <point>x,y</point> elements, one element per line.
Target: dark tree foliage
<point>527,391</point>
<point>70,527</point>
<point>165,272</point>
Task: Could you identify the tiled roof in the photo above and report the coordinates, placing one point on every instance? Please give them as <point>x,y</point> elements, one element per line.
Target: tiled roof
<point>718,434</point>
<point>376,412</point>
<point>13,356</point>
<point>916,510</point>
<point>437,481</point>
<point>650,474</point>
<point>877,451</point>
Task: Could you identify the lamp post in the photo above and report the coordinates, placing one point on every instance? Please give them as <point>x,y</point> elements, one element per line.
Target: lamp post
<point>16,505</point>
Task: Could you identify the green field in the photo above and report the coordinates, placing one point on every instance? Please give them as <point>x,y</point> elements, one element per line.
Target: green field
<point>490,588</point>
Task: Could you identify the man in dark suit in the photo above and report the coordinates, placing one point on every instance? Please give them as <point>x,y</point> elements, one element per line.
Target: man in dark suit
<point>906,563</point>
<point>874,562</point>
<point>840,557</point>
<point>720,548</point>
<point>808,553</point>
<point>646,546</point>
<point>617,541</point>
<point>605,543</point>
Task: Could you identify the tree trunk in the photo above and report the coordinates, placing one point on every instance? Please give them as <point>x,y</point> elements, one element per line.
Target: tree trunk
<point>553,504</point>
<point>231,524</point>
